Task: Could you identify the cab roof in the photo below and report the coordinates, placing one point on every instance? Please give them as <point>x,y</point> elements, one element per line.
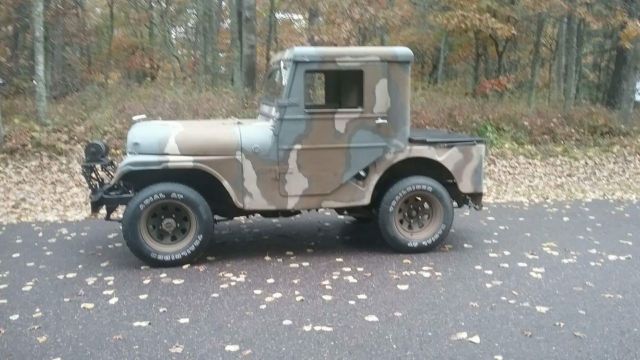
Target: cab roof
<point>346,54</point>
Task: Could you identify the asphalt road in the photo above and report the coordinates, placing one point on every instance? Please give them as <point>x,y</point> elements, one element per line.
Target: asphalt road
<point>555,281</point>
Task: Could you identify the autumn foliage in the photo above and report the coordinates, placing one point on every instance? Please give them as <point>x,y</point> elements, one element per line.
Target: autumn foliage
<point>503,51</point>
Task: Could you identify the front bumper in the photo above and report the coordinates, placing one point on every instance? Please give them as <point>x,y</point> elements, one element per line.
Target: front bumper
<point>98,172</point>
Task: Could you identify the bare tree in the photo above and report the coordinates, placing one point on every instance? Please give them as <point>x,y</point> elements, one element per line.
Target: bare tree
<point>477,61</point>
<point>249,44</point>
<point>272,32</point>
<point>38,50</point>
<point>630,86</point>
<point>2,133</point>
<point>535,59</point>
<point>442,58</point>
<point>215,31</point>
<point>236,44</point>
<point>313,18</point>
<point>572,53</point>
<point>621,93</point>
<point>500,50</point>
<point>151,26</point>
<point>112,20</point>
<point>207,39</point>
<point>560,58</point>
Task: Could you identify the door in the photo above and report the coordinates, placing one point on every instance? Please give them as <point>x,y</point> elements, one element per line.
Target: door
<point>336,127</point>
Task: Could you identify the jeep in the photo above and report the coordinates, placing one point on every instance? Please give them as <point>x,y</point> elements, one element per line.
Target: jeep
<point>333,131</point>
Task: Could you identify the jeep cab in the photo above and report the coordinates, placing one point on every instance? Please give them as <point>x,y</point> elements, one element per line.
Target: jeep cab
<point>333,131</point>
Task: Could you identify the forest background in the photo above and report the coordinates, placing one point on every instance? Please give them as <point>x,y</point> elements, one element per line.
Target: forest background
<point>551,84</point>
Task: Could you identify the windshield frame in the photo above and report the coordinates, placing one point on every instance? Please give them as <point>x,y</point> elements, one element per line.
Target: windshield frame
<point>283,69</point>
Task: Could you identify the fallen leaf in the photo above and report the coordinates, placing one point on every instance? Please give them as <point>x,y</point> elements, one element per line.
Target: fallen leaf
<point>176,349</point>
<point>474,339</point>
<point>579,334</point>
<point>371,318</point>
<point>459,336</point>
<point>542,309</point>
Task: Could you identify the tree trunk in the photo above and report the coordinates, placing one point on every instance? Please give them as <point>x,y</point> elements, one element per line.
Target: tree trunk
<point>272,23</point>
<point>39,71</point>
<point>249,44</point>
<point>151,30</point>
<point>477,62</point>
<point>215,30</point>
<point>580,45</point>
<point>560,58</point>
<point>236,44</point>
<point>631,71</point>
<point>20,29</point>
<point>167,36</point>
<point>203,41</point>
<point>608,59</point>
<point>383,27</point>
<point>313,15</point>
<point>572,53</point>
<point>486,57</point>
<point>535,60</point>
<point>500,52</point>
<point>442,59</point>
<point>112,19</point>
<point>57,75</point>
<point>624,68</point>
<point>629,88</point>
<point>615,92</point>
<point>550,88</point>
<point>2,133</point>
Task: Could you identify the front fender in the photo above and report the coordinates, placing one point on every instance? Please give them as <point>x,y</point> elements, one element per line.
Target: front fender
<point>209,164</point>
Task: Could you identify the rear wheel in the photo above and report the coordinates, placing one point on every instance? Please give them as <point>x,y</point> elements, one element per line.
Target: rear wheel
<point>415,214</point>
<point>167,224</point>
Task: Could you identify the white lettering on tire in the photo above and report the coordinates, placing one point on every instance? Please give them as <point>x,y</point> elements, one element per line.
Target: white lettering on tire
<point>183,253</point>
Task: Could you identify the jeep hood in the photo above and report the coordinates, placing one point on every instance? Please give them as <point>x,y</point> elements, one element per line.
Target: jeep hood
<point>187,138</point>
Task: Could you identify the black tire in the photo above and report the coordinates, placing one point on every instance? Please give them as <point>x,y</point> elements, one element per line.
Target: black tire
<point>188,219</point>
<point>404,208</point>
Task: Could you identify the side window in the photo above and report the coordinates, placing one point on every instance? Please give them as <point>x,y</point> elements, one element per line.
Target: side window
<point>314,89</point>
<point>333,89</point>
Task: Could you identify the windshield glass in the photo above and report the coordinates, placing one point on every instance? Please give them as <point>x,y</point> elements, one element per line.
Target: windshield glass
<point>275,82</point>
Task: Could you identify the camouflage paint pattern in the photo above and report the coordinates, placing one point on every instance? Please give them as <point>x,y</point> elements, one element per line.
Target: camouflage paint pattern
<point>292,157</point>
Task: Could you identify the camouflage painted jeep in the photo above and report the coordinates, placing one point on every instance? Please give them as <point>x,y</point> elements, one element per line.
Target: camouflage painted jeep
<point>333,131</point>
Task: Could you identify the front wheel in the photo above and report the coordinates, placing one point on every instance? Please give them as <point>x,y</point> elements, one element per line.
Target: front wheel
<point>415,214</point>
<point>167,224</point>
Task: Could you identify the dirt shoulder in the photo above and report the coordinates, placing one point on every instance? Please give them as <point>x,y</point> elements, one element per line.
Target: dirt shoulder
<point>588,175</point>
<point>42,187</point>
